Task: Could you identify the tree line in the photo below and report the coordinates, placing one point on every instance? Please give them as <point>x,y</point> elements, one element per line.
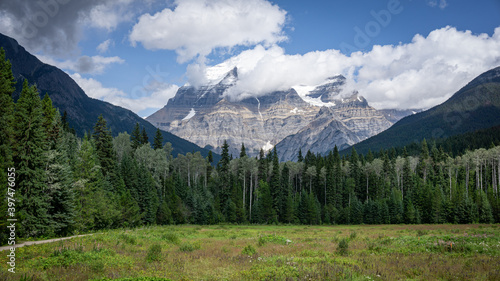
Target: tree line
<point>66,184</point>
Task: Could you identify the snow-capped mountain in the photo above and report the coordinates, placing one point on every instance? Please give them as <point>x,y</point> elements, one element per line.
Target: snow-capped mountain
<point>293,119</point>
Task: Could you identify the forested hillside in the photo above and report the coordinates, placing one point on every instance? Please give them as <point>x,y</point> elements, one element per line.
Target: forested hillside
<point>66,184</point>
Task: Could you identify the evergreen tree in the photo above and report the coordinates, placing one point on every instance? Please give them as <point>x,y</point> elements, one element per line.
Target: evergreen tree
<point>275,185</point>
<point>29,159</point>
<point>485,214</point>
<point>300,158</point>
<point>267,213</point>
<point>136,137</point>
<point>243,152</point>
<point>104,145</point>
<point>225,177</point>
<point>59,185</point>
<point>6,132</point>
<point>158,141</point>
<point>144,138</point>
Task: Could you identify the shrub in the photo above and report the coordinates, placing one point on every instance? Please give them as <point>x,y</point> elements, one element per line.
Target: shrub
<point>154,253</point>
<point>353,235</point>
<point>128,239</point>
<point>171,237</point>
<point>189,247</point>
<point>272,239</point>
<point>343,247</point>
<point>249,250</point>
<point>421,232</point>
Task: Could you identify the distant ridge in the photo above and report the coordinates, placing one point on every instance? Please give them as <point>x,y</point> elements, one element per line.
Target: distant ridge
<point>476,106</point>
<point>82,110</point>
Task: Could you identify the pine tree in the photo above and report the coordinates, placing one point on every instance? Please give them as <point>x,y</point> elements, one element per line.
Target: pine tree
<point>275,185</point>
<point>300,158</point>
<point>144,139</point>
<point>158,141</point>
<point>243,151</point>
<point>59,183</point>
<point>136,137</point>
<point>29,159</point>
<point>104,146</point>
<point>225,177</point>
<point>6,132</point>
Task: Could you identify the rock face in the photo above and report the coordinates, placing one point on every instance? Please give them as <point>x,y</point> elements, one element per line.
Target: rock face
<point>304,117</point>
<point>344,124</point>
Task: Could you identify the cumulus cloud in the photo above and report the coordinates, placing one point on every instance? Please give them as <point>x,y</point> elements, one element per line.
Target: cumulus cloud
<point>55,27</point>
<point>419,74</point>
<point>157,97</point>
<point>84,64</point>
<point>196,27</point>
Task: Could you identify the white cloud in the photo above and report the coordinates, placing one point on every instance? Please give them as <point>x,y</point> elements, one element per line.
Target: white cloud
<point>419,74</point>
<point>104,46</point>
<point>84,64</point>
<point>108,15</point>
<point>157,97</point>
<point>196,27</point>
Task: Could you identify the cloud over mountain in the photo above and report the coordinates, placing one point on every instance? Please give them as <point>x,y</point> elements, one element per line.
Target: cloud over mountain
<point>419,74</point>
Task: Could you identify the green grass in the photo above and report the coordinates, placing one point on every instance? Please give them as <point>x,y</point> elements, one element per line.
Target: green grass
<point>224,252</point>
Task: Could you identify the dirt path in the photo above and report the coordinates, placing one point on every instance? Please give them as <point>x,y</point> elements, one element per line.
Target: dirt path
<point>27,243</point>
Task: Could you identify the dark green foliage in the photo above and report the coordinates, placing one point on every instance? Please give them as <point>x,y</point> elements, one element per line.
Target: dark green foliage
<point>6,132</point>
<point>104,145</point>
<point>29,160</point>
<point>343,247</point>
<point>154,253</point>
<point>136,136</point>
<point>249,250</point>
<point>158,141</point>
<point>144,138</point>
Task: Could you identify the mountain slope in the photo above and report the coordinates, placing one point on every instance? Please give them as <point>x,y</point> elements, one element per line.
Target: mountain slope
<point>348,122</point>
<point>475,106</point>
<point>66,95</point>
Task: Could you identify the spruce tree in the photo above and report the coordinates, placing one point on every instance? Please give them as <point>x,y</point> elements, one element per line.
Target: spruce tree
<point>59,182</point>
<point>158,141</point>
<point>144,138</point>
<point>6,132</point>
<point>104,146</point>
<point>275,184</point>
<point>243,151</point>
<point>29,159</point>
<point>136,136</point>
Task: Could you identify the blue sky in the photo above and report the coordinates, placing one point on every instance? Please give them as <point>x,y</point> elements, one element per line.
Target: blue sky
<point>137,53</point>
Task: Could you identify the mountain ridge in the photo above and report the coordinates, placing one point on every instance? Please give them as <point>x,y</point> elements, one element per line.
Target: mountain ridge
<point>475,106</point>
<point>82,111</point>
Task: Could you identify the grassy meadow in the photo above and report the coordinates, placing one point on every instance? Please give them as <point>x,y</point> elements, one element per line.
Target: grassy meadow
<point>230,252</point>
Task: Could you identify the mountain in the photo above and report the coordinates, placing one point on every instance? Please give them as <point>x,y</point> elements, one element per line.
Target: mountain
<point>476,106</point>
<point>82,110</point>
<point>303,117</point>
<point>344,124</point>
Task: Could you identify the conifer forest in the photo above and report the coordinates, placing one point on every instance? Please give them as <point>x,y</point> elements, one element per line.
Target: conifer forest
<point>66,184</point>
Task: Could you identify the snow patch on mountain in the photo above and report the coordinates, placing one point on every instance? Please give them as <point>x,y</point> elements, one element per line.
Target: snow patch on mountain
<point>190,115</point>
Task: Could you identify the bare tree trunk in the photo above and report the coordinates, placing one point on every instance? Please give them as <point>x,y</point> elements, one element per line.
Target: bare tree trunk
<point>251,175</point>
<point>367,176</point>
<point>244,188</point>
<point>467,172</point>
<point>481,176</point>
<point>449,173</point>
